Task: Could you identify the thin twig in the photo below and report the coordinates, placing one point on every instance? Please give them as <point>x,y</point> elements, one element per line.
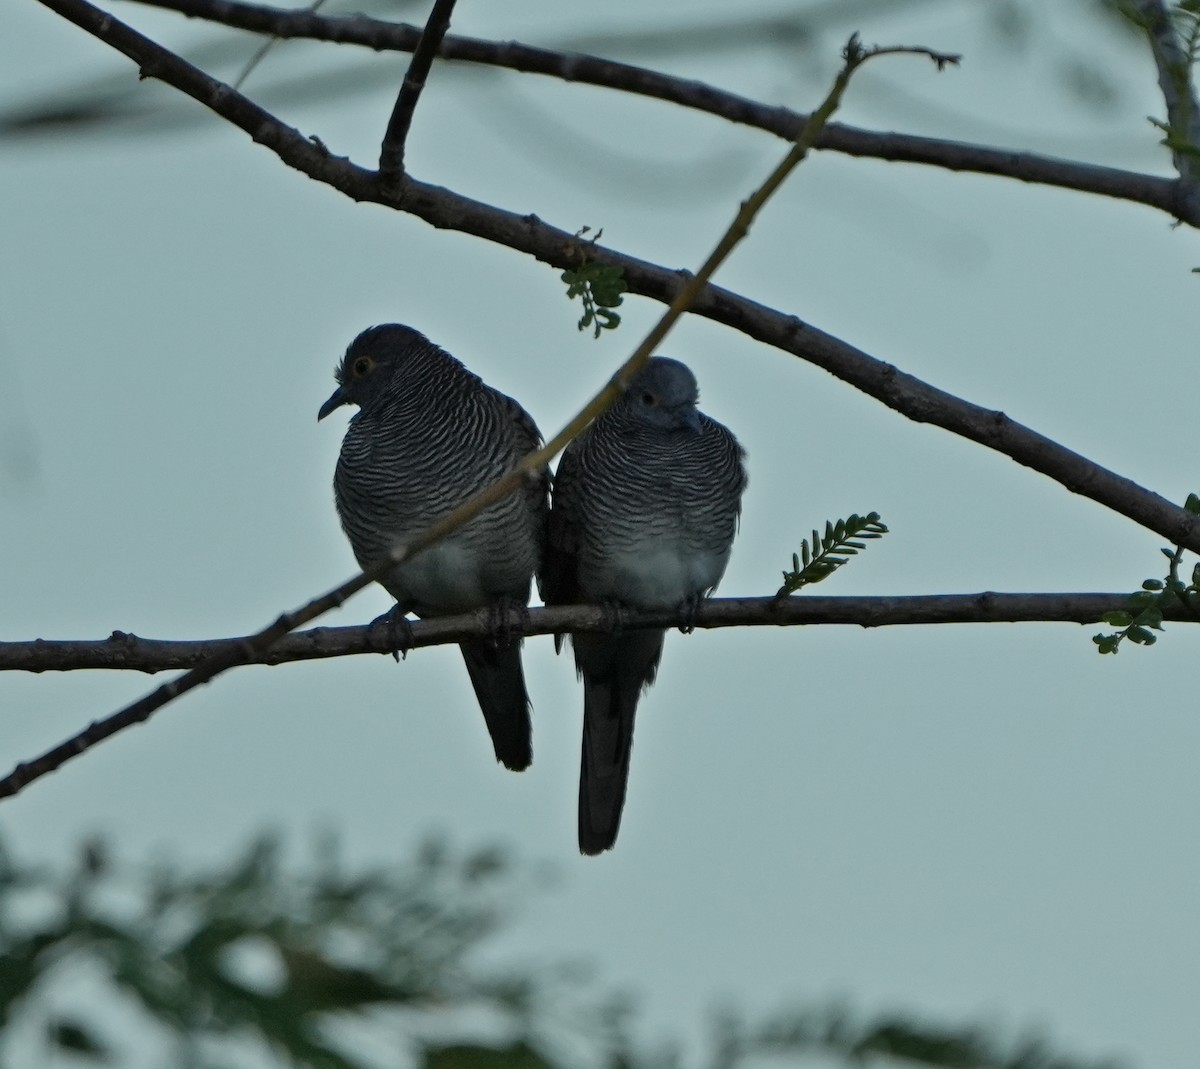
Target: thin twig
<point>261,52</point>
<point>391,152</point>
<point>122,651</point>
<point>26,772</point>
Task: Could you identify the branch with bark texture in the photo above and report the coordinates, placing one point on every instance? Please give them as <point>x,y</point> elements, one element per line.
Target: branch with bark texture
<point>440,207</point>
<point>1172,196</point>
<point>125,652</point>
<point>530,466</point>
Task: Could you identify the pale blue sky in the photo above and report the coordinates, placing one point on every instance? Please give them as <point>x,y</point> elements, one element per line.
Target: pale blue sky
<point>967,822</point>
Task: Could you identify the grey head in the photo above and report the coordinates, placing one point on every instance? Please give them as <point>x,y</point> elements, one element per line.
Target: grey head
<point>383,359</point>
<point>663,395</point>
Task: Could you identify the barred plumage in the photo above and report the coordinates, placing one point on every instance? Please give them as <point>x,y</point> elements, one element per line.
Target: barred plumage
<point>428,435</point>
<point>645,508</point>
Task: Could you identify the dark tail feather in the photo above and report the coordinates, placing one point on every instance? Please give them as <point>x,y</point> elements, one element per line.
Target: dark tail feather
<point>499,685</point>
<point>615,670</point>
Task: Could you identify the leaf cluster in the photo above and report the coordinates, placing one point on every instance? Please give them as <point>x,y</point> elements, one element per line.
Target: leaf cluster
<point>1143,614</point>
<point>830,551</point>
<point>392,951</point>
<point>258,955</point>
<point>599,286</point>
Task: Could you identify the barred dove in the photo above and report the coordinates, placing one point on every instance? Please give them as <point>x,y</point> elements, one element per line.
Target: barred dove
<point>645,507</point>
<point>428,435</point>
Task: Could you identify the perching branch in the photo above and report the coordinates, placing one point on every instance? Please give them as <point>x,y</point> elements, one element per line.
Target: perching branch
<point>126,652</point>
<point>530,467</point>
<point>1165,194</point>
<point>443,208</point>
<point>391,153</point>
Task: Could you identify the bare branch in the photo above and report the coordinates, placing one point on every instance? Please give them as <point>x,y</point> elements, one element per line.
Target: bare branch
<point>1165,194</point>
<point>439,207</point>
<point>1175,80</point>
<point>391,153</point>
<point>125,652</point>
<point>106,27</point>
<point>941,60</point>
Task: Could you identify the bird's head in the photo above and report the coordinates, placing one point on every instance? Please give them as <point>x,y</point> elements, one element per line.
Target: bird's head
<point>664,395</point>
<point>372,364</point>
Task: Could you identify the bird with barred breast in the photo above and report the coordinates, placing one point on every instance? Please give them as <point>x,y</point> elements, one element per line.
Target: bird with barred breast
<point>645,507</point>
<point>428,435</point>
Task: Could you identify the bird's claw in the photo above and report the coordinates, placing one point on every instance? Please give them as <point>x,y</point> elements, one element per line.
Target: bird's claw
<point>507,621</point>
<point>687,612</point>
<point>399,631</point>
<point>614,616</point>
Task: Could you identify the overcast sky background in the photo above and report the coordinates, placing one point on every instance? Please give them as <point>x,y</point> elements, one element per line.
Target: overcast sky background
<point>987,821</point>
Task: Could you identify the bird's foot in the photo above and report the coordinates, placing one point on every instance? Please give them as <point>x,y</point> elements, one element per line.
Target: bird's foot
<point>399,631</point>
<point>614,615</point>
<point>687,612</point>
<point>508,619</point>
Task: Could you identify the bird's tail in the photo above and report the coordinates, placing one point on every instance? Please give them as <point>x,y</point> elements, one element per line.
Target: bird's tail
<point>615,670</point>
<point>499,682</point>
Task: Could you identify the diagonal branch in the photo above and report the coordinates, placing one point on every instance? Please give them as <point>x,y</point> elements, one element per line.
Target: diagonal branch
<point>440,207</point>
<point>125,652</point>
<point>391,153</point>
<point>530,467</point>
<point>1165,194</point>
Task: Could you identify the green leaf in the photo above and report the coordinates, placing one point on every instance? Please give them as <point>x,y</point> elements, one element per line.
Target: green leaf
<point>1192,504</point>
<point>599,286</point>
<point>1151,618</point>
<point>1152,584</point>
<point>1117,618</point>
<point>841,541</point>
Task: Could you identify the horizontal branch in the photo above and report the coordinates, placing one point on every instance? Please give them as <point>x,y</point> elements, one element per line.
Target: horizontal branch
<point>126,652</point>
<point>1166,194</point>
<point>534,464</point>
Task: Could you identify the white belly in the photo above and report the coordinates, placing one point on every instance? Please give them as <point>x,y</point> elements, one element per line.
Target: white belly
<point>443,579</point>
<point>658,579</point>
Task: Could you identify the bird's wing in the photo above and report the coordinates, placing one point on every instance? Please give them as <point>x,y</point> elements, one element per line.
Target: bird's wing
<point>558,581</point>
<point>527,438</point>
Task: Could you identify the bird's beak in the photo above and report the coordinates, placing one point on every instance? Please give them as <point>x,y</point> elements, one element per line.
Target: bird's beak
<point>336,400</point>
<point>691,420</point>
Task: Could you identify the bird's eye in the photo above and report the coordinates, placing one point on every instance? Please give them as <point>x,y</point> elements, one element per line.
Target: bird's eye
<point>649,400</point>
<point>362,365</point>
